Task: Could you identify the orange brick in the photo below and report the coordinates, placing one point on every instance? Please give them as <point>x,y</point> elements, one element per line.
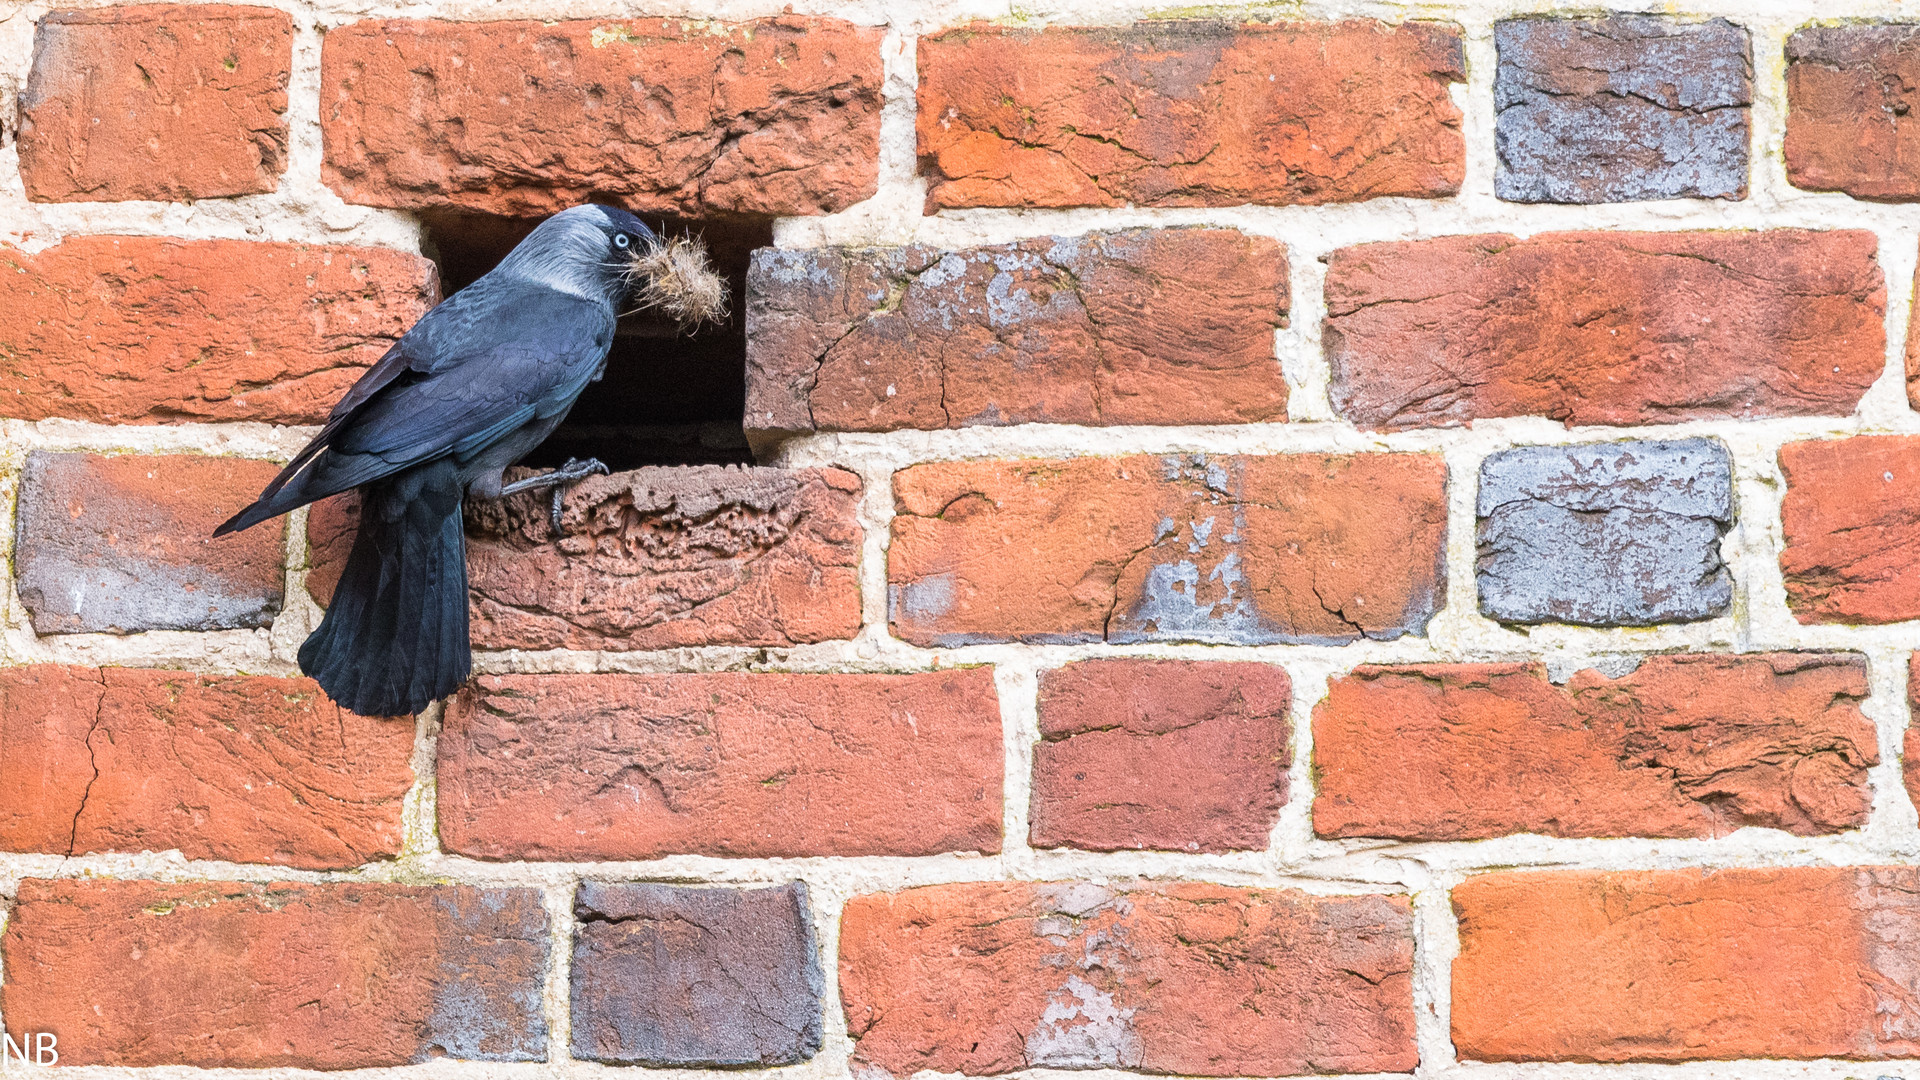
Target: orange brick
<point>1851,515</point>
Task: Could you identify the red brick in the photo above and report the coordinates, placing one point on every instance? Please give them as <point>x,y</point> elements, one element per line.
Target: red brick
<point>149,330</point>
<point>125,543</point>
<point>331,526</point>
<point>1193,979</point>
<point>1851,515</point>
<point>1167,754</point>
<point>668,557</point>
<point>774,116</point>
<point>1605,328</point>
<point>1245,550</point>
<point>1691,746</point>
<point>1850,89</point>
<point>1680,965</point>
<point>156,101</point>
<point>748,765</point>
<point>1142,326</point>
<point>249,769</point>
<point>237,975</point>
<point>1189,114</point>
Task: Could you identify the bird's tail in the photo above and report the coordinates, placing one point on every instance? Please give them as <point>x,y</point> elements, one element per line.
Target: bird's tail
<point>395,636</point>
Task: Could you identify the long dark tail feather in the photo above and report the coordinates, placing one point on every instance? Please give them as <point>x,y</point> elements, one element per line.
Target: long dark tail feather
<point>395,637</point>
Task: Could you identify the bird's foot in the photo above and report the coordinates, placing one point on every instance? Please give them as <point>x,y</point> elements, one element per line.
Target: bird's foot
<point>559,480</point>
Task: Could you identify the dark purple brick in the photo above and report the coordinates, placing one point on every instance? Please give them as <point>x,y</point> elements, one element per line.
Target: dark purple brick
<point>671,976</point>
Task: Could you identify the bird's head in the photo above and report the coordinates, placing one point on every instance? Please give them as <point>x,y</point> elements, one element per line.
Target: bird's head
<point>607,254</point>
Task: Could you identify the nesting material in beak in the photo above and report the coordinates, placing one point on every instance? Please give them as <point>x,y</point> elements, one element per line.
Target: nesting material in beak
<point>676,278</point>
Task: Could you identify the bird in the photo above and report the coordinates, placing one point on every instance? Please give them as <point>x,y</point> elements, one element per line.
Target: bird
<point>478,382</point>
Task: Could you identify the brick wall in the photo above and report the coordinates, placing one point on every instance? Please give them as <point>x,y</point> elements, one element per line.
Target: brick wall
<point>1348,544</point>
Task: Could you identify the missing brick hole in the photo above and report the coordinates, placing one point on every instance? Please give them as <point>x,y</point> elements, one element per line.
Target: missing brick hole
<point>668,397</point>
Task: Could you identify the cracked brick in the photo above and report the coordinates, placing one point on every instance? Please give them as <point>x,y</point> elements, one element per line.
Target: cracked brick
<point>748,765</point>
<point>154,330</point>
<point>342,975</point>
<point>1315,548</point>
<point>1851,520</point>
<point>1189,113</point>
<point>1605,534</point>
<point>249,769</point>
<point>1163,754</point>
<point>1139,326</point>
<point>682,977</point>
<point>1687,965</point>
<point>1608,328</point>
<point>1851,89</point>
<point>1681,746</point>
<point>171,102</point>
<point>654,558</point>
<point>1188,979</point>
<point>123,544</point>
<point>1622,108</point>
<point>777,116</point>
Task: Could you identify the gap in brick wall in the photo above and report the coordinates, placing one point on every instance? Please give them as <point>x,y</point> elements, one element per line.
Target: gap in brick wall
<point>668,398</point>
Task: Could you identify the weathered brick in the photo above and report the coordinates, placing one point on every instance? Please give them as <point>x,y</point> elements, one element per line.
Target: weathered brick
<point>172,102</point>
<point>1243,550</point>
<point>1143,326</point>
<point>674,977</point>
<point>1851,518</point>
<point>1605,328</point>
<point>1687,746</point>
<point>1192,979</point>
<point>1680,965</point>
<point>147,330</point>
<point>1850,89</point>
<point>248,769</point>
<point>1167,754</point>
<point>285,975</point>
<point>1605,534</point>
<point>1621,108</point>
<point>773,116</point>
<point>736,764</point>
<point>667,557</point>
<point>125,543</point>
<point>1170,113</point>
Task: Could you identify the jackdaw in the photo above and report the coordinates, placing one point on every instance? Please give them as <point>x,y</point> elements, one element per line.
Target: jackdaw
<point>477,383</point>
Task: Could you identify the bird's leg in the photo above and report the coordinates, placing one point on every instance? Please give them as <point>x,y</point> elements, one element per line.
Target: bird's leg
<point>559,480</point>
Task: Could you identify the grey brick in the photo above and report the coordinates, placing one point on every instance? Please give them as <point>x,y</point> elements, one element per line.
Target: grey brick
<point>1605,534</point>
<point>1621,108</point>
<point>673,976</point>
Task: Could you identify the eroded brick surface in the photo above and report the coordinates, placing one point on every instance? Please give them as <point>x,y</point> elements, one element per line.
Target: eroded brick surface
<point>1621,108</point>
<point>1679,965</point>
<point>156,101</point>
<point>774,116</point>
<point>1605,534</point>
<point>745,765</point>
<point>1189,114</point>
<point>1850,92</point>
<point>1142,326</point>
<point>1681,746</point>
<point>1241,550</point>
<point>283,975</point>
<point>125,543</point>
<point>1851,516</point>
<point>249,769</point>
<point>1167,754</point>
<point>1591,328</point>
<point>657,558</point>
<point>149,330</point>
<point>679,977</point>
<point>1193,979</point>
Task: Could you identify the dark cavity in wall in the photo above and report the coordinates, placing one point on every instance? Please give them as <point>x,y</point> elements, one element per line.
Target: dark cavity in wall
<point>668,397</point>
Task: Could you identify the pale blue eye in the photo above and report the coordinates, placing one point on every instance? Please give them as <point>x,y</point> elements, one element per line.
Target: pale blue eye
<point>621,241</point>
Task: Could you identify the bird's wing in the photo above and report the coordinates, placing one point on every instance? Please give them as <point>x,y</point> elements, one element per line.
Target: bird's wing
<point>452,385</point>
